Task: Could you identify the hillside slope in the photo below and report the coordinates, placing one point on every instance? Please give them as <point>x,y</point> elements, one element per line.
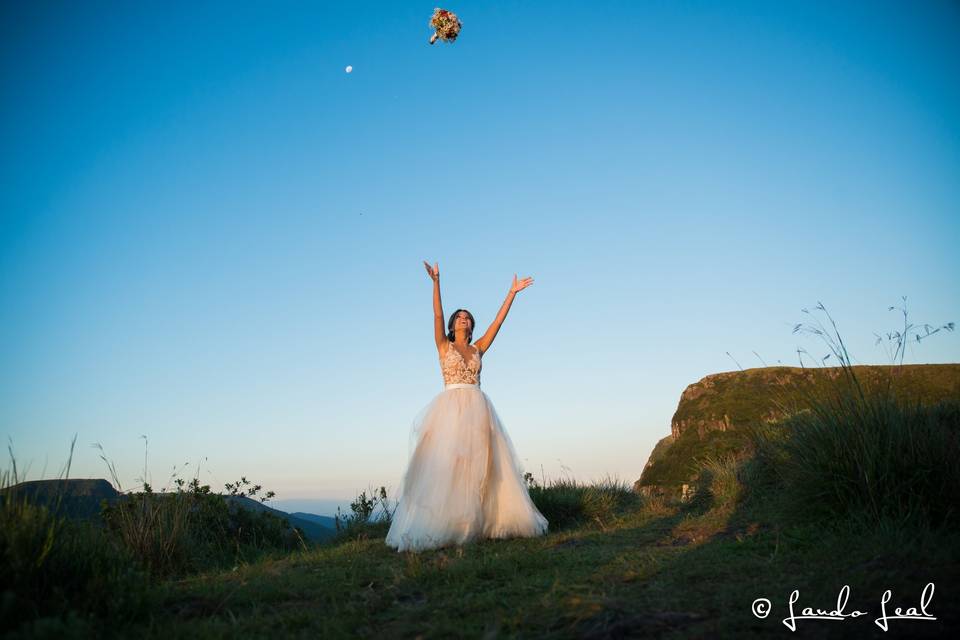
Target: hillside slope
<point>82,498</point>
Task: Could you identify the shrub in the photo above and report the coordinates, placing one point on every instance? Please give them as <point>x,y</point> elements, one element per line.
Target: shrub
<point>874,451</point>
<point>192,529</point>
<point>877,455</point>
<point>59,573</point>
<point>364,521</point>
<point>720,483</point>
<point>566,502</point>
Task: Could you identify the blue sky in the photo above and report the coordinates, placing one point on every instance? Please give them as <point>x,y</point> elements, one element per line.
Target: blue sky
<point>210,234</point>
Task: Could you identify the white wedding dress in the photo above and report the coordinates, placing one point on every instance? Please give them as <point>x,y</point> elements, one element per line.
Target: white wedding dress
<point>462,482</point>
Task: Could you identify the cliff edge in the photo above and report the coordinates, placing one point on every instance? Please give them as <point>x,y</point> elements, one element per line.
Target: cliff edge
<point>713,412</point>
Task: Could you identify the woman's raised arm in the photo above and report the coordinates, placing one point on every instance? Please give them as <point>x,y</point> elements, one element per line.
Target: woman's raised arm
<point>438,334</point>
<point>518,285</point>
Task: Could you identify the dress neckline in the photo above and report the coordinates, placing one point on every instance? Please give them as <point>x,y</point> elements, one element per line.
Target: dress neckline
<point>475,353</point>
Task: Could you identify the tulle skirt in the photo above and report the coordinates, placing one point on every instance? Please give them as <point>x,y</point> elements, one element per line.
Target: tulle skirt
<point>462,481</point>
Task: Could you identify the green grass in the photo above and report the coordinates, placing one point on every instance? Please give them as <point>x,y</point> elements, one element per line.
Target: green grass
<point>63,576</point>
<point>59,575</point>
<point>623,566</point>
<point>615,565</point>
<point>567,503</point>
<point>680,571</point>
<point>679,463</point>
<point>875,455</point>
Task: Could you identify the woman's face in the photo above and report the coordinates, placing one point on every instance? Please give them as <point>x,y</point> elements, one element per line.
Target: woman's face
<point>462,321</point>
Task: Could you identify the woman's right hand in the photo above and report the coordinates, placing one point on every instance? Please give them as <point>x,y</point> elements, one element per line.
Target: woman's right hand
<point>434,271</point>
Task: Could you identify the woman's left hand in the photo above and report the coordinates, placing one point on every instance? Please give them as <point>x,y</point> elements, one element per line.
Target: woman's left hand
<point>520,285</point>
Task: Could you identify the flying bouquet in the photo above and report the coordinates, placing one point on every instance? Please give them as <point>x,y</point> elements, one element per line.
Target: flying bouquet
<point>446,24</point>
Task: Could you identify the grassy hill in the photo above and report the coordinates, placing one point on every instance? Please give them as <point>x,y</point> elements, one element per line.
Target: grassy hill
<point>714,413</point>
<point>654,570</point>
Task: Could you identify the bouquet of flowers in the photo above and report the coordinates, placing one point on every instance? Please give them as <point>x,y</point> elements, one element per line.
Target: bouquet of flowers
<point>446,25</point>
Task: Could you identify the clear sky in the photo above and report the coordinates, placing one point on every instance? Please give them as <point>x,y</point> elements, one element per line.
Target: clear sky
<point>212,235</point>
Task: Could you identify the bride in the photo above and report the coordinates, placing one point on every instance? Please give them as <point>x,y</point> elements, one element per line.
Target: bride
<point>462,482</point>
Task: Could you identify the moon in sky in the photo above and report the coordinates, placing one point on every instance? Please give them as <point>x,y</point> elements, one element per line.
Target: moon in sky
<point>349,69</point>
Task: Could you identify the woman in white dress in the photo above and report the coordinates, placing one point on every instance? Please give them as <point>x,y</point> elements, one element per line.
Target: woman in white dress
<point>463,481</point>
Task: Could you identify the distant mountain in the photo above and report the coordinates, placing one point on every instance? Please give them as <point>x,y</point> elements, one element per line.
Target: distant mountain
<point>81,497</point>
<point>325,521</point>
<point>314,531</point>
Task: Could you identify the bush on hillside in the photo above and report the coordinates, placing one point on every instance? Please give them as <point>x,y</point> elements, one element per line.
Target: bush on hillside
<point>876,450</point>
<point>364,520</point>
<point>566,502</point>
<point>192,529</point>
<point>876,455</point>
<point>53,569</point>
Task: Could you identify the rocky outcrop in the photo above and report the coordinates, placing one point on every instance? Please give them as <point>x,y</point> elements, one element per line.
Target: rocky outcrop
<point>712,410</point>
<point>723,401</point>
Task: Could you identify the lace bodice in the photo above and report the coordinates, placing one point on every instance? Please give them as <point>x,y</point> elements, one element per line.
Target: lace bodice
<point>456,370</point>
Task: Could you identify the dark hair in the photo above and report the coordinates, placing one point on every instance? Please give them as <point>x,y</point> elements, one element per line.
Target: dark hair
<point>450,333</point>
